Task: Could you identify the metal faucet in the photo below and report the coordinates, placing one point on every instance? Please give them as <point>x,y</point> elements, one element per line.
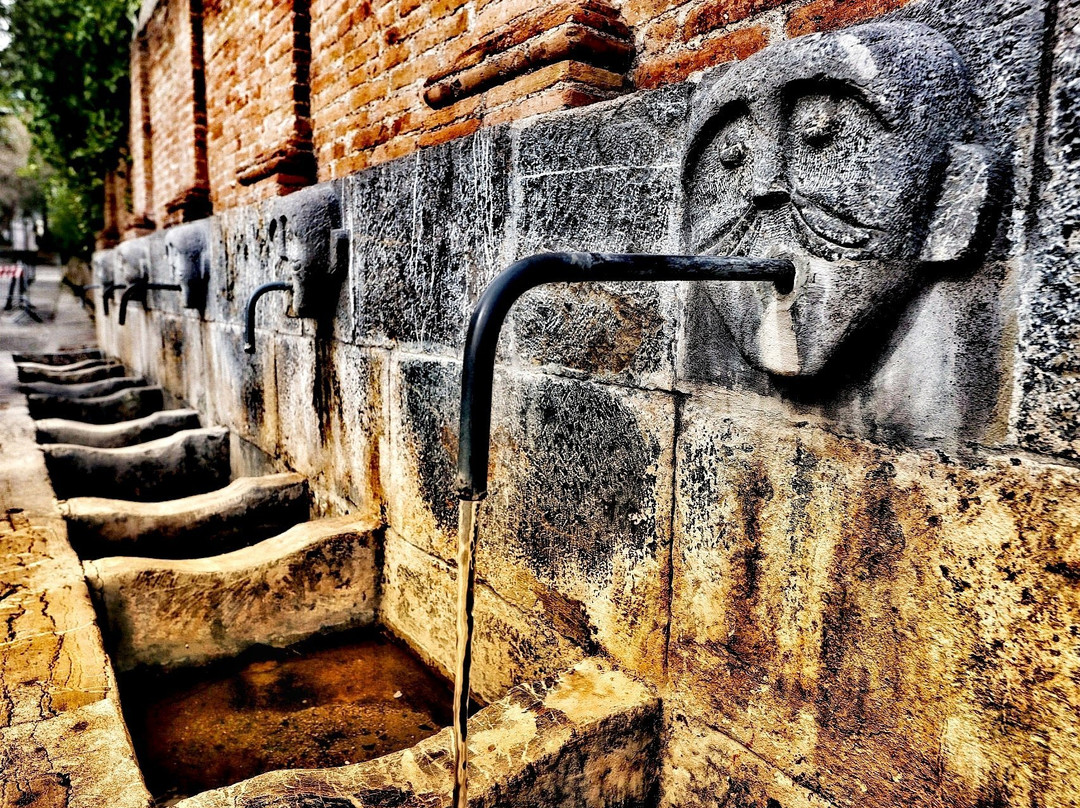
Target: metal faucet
<point>249,311</point>
<point>107,293</point>
<point>478,368</point>
<point>137,291</point>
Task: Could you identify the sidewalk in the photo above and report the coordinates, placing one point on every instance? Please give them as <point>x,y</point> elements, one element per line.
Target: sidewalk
<point>62,739</point>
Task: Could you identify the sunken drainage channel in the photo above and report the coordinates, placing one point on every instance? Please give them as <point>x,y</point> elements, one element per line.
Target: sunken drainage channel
<point>477,379</point>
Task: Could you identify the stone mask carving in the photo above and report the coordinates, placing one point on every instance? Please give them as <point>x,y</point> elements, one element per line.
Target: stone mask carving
<point>186,247</point>
<point>307,240</point>
<point>134,261</point>
<point>849,153</point>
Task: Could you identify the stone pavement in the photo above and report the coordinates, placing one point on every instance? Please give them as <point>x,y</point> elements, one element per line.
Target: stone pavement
<point>62,739</point>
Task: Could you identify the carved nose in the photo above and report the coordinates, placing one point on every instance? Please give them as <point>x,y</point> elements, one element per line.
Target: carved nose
<point>770,198</point>
<point>768,189</point>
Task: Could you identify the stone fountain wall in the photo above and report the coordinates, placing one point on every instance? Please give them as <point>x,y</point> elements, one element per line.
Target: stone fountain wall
<point>864,590</point>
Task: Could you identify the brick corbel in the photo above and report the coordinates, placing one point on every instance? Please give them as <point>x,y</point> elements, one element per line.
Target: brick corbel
<point>586,32</point>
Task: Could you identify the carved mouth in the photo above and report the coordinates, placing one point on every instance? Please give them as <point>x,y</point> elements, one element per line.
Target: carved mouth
<point>821,230</point>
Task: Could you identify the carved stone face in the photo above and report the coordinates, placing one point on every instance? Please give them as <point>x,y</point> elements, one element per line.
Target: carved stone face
<point>846,153</point>
<point>301,229</point>
<point>186,250</point>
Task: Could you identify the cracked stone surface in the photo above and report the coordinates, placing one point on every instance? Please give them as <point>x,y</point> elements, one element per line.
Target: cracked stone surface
<point>62,739</point>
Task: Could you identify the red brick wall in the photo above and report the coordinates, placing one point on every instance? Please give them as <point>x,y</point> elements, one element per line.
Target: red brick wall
<point>258,108</point>
<point>305,90</point>
<point>141,140</point>
<point>176,111</point>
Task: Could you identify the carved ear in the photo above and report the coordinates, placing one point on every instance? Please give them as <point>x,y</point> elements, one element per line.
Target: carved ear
<point>962,206</point>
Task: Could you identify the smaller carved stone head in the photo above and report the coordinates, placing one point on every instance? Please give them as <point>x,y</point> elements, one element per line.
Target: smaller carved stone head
<point>307,241</point>
<point>849,153</point>
<point>133,261</point>
<point>188,253</point>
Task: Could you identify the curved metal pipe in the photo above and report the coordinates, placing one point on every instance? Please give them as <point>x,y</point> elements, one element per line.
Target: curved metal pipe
<point>107,293</point>
<point>138,290</point>
<point>249,312</point>
<point>478,368</point>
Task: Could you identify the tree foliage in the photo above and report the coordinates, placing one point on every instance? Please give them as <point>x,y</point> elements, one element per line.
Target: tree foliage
<point>65,69</point>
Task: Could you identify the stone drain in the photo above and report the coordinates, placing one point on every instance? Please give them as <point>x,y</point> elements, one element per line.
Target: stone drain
<point>223,607</point>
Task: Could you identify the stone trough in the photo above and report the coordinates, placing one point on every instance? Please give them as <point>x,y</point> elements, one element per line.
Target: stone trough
<point>91,371</point>
<point>91,389</point>
<point>586,737</point>
<point>123,433</point>
<point>61,359</point>
<point>244,512</point>
<point>193,461</point>
<point>122,405</point>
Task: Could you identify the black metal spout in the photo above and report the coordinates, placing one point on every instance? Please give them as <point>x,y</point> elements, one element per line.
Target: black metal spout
<point>107,293</point>
<point>478,368</point>
<point>137,291</point>
<point>249,312</point>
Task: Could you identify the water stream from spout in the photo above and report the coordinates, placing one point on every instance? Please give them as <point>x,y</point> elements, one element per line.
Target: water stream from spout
<point>466,581</point>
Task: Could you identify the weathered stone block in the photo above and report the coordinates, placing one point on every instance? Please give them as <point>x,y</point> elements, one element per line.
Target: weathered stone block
<point>1048,412</point>
<point>705,767</point>
<point>575,529</point>
<point>241,389</point>
<point>82,759</point>
<point>884,628</point>
<point>418,603</point>
<point>426,233</point>
<point>601,179</point>
<point>330,414</point>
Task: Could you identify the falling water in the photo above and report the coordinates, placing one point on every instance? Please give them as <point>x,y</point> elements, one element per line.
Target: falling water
<point>466,579</point>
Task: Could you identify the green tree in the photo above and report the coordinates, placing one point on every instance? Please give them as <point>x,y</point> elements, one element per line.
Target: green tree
<point>65,70</point>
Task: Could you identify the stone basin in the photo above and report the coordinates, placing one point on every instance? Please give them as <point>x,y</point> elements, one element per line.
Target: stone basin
<point>192,641</point>
<point>93,370</point>
<point>159,424</point>
<point>123,405</point>
<point>192,461</point>
<point>95,389</point>
<point>244,512</point>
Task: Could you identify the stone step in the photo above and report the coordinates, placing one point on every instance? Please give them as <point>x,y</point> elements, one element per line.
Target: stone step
<point>160,424</point>
<point>193,461</point>
<point>316,577</point>
<point>243,513</point>
<point>96,389</point>
<point>123,405</point>
<point>94,371</point>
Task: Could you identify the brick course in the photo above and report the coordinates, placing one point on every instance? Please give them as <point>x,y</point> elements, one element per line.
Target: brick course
<point>311,90</point>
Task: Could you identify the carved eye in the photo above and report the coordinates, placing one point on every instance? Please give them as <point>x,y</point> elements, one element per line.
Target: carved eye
<point>732,154</point>
<point>818,121</point>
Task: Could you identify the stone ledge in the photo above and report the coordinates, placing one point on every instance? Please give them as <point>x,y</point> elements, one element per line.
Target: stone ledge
<point>62,739</point>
